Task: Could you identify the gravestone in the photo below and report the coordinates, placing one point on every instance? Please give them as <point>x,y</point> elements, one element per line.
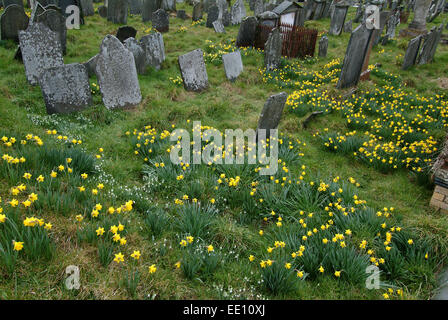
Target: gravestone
<point>161,20</point>
<point>338,19</point>
<point>246,33</point>
<point>359,13</point>
<point>65,88</point>
<point>429,46</point>
<point>318,9</point>
<point>149,7</point>
<point>12,20</point>
<point>391,25</point>
<point>218,26</point>
<point>135,7</point>
<point>238,12</point>
<point>410,56</point>
<point>54,20</point>
<point>212,16</point>
<point>348,26</point>
<point>125,32</point>
<point>273,50</point>
<point>252,4</point>
<point>87,8</point>
<point>323,46</point>
<point>169,5</point>
<point>226,18</point>
<point>117,11</point>
<point>193,70</point>
<point>258,7</point>
<point>384,15</point>
<point>138,52</point>
<point>354,57</point>
<point>197,11</point>
<point>41,49</point>
<point>233,65</point>
<point>272,112</point>
<point>181,14</point>
<point>7,3</point>
<point>326,10</point>
<point>154,48</point>
<point>117,75</point>
<point>91,66</point>
<point>102,11</point>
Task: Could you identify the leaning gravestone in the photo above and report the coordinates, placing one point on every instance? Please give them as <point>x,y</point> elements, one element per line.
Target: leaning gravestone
<point>135,6</point>
<point>12,20</point>
<point>87,8</point>
<point>197,11</point>
<point>348,26</point>
<point>41,49</point>
<point>354,57</point>
<point>246,33</point>
<point>117,11</point>
<point>273,50</point>
<point>431,40</point>
<point>181,14</point>
<point>391,25</point>
<point>338,19</point>
<point>238,12</point>
<point>154,48</point>
<point>212,16</point>
<point>125,32</point>
<point>272,112</point>
<point>169,5</point>
<point>323,46</point>
<point>149,7</point>
<point>117,75</point>
<point>233,65</point>
<point>7,3</point>
<point>218,26</point>
<point>410,56</point>
<point>193,70</point>
<point>138,52</point>
<point>54,20</point>
<point>102,11</point>
<point>65,88</point>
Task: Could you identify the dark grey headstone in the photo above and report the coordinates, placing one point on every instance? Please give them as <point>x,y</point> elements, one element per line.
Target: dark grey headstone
<point>65,88</point>
<point>91,66</point>
<point>135,7</point>
<point>41,49</point>
<point>125,32</point>
<point>246,33</point>
<point>197,11</point>
<point>238,12</point>
<point>12,20</point>
<point>169,5</point>
<point>117,75</point>
<point>338,19</point>
<point>181,14</point>
<point>323,46</point>
<point>429,46</point>
<point>87,8</point>
<point>226,18</point>
<point>272,112</point>
<point>117,11</point>
<point>102,11</point>
<point>218,26</point>
<point>193,70</point>
<point>161,20</point>
<point>273,50</point>
<point>149,7</point>
<point>348,26</point>
<point>138,52</point>
<point>212,16</point>
<point>7,3</point>
<point>233,65</point>
<point>410,56</point>
<point>384,16</point>
<point>54,20</point>
<point>359,13</point>
<point>154,48</point>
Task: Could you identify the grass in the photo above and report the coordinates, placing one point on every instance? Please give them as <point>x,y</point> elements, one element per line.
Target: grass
<point>234,235</point>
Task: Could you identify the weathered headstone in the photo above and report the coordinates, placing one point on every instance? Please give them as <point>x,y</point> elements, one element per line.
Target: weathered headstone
<point>117,11</point>
<point>323,46</point>
<point>354,57</point>
<point>149,7</point>
<point>154,48</point>
<point>12,20</point>
<point>65,88</point>
<point>218,26</point>
<point>238,12</point>
<point>273,50</point>
<point>410,56</point>
<point>41,49</point>
<point>138,52</point>
<point>125,32</point>
<point>258,7</point>
<point>87,8</point>
<point>348,26</point>
<point>169,5</point>
<point>429,46</point>
<point>91,66</point>
<point>391,25</point>
<point>233,65</point>
<point>181,14</point>
<point>359,13</point>
<point>7,3</point>
<point>212,16</point>
<point>338,19</point>
<point>226,18</point>
<point>272,112</point>
<point>102,11</point>
<point>384,15</point>
<point>246,33</point>
<point>161,20</point>
<point>197,11</point>
<point>193,70</point>
<point>117,75</point>
<point>135,7</point>
<point>54,20</point>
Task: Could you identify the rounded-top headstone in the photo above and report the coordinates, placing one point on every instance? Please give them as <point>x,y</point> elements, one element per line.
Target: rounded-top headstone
<point>12,21</point>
